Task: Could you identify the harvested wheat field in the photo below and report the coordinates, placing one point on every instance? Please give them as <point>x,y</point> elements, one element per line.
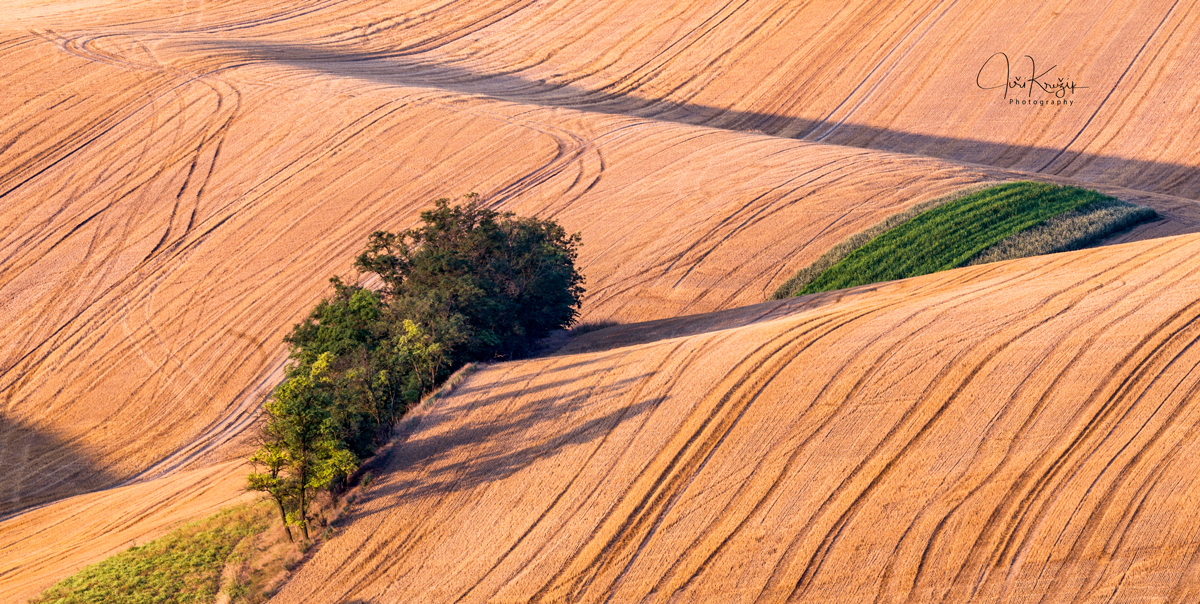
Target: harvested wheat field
<point>179,179</point>
<point>1015,432</point>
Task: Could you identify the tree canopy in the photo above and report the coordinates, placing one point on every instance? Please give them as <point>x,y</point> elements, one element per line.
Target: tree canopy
<point>488,284</point>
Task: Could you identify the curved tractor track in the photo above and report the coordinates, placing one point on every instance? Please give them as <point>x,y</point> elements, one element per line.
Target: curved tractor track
<point>179,179</point>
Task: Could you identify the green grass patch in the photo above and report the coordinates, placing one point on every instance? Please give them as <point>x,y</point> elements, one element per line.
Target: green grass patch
<point>185,566</point>
<point>804,276</point>
<point>953,233</point>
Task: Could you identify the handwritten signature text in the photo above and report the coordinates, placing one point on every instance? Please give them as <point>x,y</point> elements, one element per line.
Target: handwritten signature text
<point>1060,87</point>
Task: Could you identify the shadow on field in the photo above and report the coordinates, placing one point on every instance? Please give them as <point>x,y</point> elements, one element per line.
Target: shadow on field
<point>402,68</point>
<point>632,334</point>
<point>480,452</point>
<point>37,467</point>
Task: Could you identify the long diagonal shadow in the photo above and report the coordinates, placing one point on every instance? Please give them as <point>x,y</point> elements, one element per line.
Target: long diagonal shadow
<point>397,69</point>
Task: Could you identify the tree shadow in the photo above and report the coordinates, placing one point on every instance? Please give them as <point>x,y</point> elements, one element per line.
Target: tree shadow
<point>37,467</point>
<point>511,441</point>
<point>578,369</point>
<point>632,334</point>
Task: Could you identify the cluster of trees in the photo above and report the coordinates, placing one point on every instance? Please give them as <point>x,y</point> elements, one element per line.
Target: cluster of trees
<point>470,284</point>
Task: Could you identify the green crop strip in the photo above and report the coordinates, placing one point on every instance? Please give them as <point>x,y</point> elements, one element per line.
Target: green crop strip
<point>184,566</point>
<point>954,233</point>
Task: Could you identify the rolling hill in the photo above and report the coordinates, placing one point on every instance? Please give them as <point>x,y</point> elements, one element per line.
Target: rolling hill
<point>1018,431</point>
<point>179,179</point>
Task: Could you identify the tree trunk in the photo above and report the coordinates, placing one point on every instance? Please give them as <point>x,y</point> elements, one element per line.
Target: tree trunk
<point>303,504</point>
<point>283,516</point>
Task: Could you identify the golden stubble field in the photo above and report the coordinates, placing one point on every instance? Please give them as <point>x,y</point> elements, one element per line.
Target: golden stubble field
<point>1021,432</point>
<point>179,179</point>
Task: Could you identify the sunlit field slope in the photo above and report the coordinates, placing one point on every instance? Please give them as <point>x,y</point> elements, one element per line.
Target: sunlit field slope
<point>1020,431</point>
<point>179,179</point>
<point>902,75</point>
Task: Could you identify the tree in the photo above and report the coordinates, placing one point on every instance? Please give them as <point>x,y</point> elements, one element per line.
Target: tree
<point>484,284</point>
<point>299,439</point>
<point>351,327</point>
<point>419,352</point>
<point>274,481</point>
<point>348,322</point>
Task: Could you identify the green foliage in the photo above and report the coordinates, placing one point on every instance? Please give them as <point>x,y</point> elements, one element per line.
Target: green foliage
<point>274,480</point>
<point>182,567</point>
<point>419,352</point>
<point>341,326</point>
<point>482,283</point>
<point>469,284</point>
<point>353,329</point>
<point>302,450</point>
<point>951,234</point>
